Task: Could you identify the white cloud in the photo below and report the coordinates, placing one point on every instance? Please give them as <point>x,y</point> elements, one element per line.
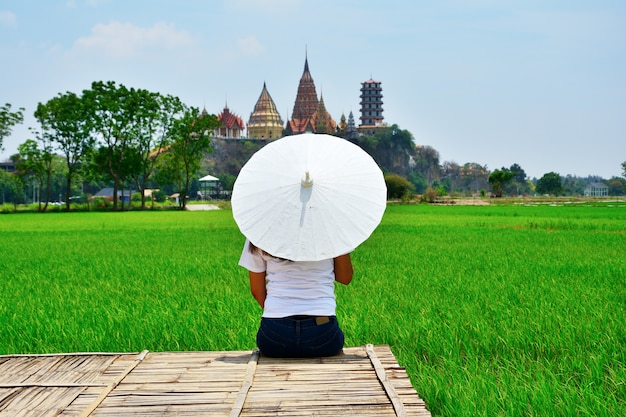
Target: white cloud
<point>250,46</point>
<point>124,40</point>
<point>7,18</point>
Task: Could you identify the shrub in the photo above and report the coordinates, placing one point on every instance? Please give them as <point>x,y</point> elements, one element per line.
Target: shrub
<point>159,196</point>
<point>398,187</point>
<point>100,202</point>
<point>430,195</point>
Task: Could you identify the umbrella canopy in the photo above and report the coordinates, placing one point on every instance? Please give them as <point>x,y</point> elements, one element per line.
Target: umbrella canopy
<point>309,197</point>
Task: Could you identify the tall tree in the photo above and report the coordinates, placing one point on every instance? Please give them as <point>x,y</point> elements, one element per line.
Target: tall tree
<point>36,162</point>
<point>111,115</point>
<point>8,119</point>
<point>550,183</point>
<point>65,123</point>
<point>154,118</point>
<point>191,140</point>
<point>624,169</point>
<point>498,179</point>
<point>520,174</point>
<point>518,184</point>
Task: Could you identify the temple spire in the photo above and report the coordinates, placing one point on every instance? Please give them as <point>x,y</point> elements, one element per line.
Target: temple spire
<point>265,121</point>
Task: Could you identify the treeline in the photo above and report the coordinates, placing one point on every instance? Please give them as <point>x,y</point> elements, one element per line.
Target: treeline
<point>420,167</point>
<point>111,134</point>
<point>133,139</point>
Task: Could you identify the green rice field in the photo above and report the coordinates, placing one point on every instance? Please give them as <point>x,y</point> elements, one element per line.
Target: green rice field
<point>493,310</point>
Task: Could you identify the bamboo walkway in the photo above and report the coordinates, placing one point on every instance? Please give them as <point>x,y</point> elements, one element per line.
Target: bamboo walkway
<point>363,381</point>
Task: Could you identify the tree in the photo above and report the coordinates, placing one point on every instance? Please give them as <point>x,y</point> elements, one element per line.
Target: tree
<point>8,119</point>
<point>6,185</point>
<point>550,183</point>
<point>14,184</point>
<point>518,184</point>
<point>191,140</point>
<point>624,169</point>
<point>111,118</point>
<point>498,179</point>
<point>418,181</point>
<point>132,127</point>
<point>37,162</point>
<point>65,123</point>
<point>617,186</point>
<point>154,118</point>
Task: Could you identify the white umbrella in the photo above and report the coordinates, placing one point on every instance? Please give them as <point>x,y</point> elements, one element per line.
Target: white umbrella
<point>309,197</point>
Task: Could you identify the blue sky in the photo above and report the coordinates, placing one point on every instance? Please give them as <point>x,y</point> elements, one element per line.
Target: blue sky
<point>540,83</point>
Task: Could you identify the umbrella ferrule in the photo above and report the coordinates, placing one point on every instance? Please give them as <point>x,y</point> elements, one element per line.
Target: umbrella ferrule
<point>307,181</point>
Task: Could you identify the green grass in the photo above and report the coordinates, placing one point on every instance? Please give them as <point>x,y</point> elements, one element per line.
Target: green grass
<point>494,311</point>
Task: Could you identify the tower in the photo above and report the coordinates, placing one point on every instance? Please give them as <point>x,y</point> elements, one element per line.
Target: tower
<point>371,106</point>
<point>306,104</point>
<point>351,132</point>
<point>265,121</point>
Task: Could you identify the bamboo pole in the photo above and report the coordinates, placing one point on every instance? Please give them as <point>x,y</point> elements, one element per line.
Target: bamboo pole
<point>382,377</point>
<point>245,386</point>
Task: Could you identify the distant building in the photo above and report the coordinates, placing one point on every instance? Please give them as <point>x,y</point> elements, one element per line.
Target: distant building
<point>7,166</point>
<point>322,122</point>
<point>231,126</point>
<point>265,121</point>
<point>309,114</point>
<point>342,125</point>
<point>351,132</point>
<point>371,107</point>
<point>122,195</point>
<point>597,189</point>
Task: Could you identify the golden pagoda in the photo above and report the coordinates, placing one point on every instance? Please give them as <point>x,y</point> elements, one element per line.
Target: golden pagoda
<point>265,121</point>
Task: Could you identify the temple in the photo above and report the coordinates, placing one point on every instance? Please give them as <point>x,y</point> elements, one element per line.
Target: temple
<point>231,126</point>
<point>265,121</point>
<point>309,114</point>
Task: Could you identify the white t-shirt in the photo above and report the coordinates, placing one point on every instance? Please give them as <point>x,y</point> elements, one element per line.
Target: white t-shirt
<point>294,288</point>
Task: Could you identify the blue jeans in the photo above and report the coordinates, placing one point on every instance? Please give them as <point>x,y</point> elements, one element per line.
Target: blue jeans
<point>300,337</point>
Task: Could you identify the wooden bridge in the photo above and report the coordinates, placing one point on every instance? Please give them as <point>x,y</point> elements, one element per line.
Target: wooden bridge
<point>362,381</point>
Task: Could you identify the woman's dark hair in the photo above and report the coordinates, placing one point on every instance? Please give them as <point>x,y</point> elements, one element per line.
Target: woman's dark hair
<point>258,251</point>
